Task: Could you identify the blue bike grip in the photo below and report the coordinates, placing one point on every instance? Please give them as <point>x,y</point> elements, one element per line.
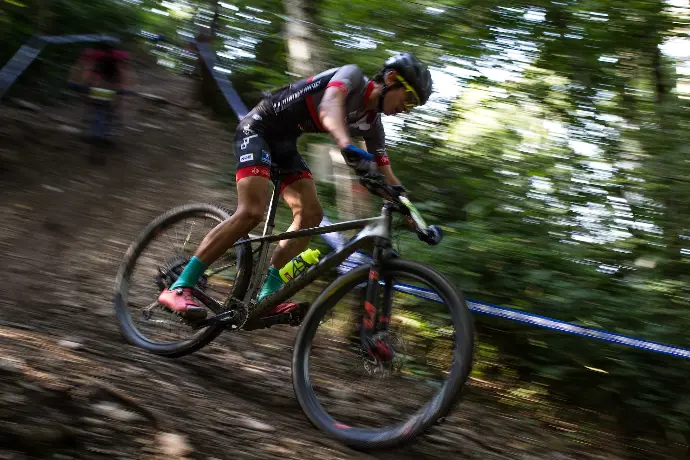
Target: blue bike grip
<point>363,154</point>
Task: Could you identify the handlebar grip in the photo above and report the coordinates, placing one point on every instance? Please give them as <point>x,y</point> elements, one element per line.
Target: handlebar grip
<point>86,88</point>
<point>432,236</point>
<point>354,154</point>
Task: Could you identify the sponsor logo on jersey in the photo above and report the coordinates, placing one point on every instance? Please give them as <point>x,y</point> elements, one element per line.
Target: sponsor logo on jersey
<point>266,157</point>
<point>246,157</point>
<point>245,141</point>
<point>278,106</point>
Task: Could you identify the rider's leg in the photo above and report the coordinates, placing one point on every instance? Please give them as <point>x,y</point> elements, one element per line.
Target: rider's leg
<point>299,193</point>
<point>118,119</point>
<point>252,198</point>
<point>304,203</point>
<point>252,178</point>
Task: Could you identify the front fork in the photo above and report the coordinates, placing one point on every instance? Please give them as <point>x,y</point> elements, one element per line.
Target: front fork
<point>375,320</point>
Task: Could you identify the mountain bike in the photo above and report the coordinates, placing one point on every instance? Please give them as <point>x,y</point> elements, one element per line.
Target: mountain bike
<point>353,319</point>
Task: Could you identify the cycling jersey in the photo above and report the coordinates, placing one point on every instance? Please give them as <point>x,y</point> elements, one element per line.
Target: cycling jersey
<point>105,65</point>
<point>269,132</point>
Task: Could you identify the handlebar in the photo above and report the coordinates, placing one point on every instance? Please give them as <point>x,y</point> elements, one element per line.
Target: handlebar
<point>393,194</point>
<point>86,88</point>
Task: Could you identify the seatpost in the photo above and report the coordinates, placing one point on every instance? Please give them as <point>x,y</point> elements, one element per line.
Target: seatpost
<point>277,181</point>
<point>260,275</point>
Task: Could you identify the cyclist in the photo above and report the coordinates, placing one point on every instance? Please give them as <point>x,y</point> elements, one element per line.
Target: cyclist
<point>340,101</point>
<point>104,66</point>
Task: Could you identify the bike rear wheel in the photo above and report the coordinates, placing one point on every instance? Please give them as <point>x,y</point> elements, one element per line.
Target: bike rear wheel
<point>387,415</point>
<point>155,259</point>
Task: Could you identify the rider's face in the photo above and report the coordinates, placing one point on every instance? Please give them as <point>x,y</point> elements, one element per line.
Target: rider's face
<point>394,102</point>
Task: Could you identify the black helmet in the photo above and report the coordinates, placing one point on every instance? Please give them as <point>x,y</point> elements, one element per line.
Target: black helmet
<point>413,71</point>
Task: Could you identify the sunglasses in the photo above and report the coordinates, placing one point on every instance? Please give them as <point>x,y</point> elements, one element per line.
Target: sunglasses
<point>411,98</point>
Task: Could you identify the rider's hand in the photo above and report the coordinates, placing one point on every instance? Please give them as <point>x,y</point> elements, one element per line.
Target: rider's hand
<point>375,182</point>
<point>360,160</point>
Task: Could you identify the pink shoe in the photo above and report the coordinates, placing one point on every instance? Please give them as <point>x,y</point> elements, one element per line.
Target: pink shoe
<point>181,301</point>
<point>285,307</point>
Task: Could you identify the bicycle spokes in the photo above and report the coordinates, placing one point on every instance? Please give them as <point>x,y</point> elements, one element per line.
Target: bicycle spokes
<point>160,264</point>
<point>406,357</point>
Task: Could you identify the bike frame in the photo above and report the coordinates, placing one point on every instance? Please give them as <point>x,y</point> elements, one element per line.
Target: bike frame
<point>377,229</point>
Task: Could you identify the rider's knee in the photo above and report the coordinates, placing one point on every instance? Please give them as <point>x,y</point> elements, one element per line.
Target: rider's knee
<point>251,216</point>
<point>310,216</point>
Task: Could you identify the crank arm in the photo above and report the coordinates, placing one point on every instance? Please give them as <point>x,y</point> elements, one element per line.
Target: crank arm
<point>225,318</point>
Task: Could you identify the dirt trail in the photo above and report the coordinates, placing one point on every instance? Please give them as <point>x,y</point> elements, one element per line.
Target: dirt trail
<point>70,387</point>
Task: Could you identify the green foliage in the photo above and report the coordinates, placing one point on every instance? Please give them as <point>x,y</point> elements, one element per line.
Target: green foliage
<point>561,181</point>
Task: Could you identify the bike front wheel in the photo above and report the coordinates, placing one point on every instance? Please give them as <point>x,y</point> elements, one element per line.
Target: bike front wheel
<point>367,403</point>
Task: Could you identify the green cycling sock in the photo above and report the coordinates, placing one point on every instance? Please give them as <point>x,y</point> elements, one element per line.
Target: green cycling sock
<point>272,284</point>
<point>194,269</point>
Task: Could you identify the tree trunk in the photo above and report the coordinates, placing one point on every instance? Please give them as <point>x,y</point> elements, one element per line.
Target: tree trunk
<point>304,57</point>
<point>659,81</point>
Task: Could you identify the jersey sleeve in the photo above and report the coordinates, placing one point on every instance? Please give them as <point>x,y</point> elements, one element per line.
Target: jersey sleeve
<point>347,78</point>
<point>375,140</point>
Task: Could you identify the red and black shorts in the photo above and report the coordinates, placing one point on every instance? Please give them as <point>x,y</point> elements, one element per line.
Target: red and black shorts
<point>255,152</point>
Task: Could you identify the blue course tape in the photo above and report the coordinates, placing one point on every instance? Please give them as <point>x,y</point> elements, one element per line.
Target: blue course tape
<point>553,324</point>
<point>336,240</point>
<point>63,39</point>
<point>19,62</point>
<point>208,55</point>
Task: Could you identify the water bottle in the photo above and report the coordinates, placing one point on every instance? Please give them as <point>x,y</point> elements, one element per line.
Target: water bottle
<point>299,264</point>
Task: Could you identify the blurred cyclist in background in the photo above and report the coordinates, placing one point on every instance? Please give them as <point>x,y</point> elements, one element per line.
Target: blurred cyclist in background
<point>104,66</point>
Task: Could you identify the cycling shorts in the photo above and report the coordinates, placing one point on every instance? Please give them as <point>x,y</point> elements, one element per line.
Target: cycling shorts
<point>258,144</point>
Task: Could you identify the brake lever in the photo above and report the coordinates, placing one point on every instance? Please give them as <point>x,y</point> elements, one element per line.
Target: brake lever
<point>378,186</point>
